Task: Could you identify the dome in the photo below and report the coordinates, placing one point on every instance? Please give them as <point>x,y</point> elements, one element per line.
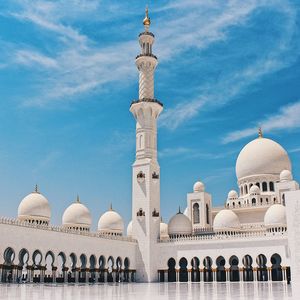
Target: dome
<point>34,206</point>
<point>275,216</point>
<point>254,190</point>
<point>163,229</point>
<point>286,175</point>
<point>111,222</point>
<point>199,187</point>
<point>129,229</point>
<point>262,156</point>
<point>77,216</point>
<point>180,224</point>
<point>226,220</point>
<point>232,195</point>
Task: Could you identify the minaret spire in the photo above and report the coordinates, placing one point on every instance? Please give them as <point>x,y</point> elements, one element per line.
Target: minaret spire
<point>260,133</point>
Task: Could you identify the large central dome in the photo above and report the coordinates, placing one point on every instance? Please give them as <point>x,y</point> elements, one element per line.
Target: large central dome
<point>262,156</point>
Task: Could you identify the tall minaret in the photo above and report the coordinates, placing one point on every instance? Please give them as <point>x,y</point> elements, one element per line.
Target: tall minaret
<point>145,170</point>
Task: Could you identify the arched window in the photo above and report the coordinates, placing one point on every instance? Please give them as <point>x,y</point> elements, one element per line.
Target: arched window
<point>264,187</point>
<point>253,201</point>
<point>258,184</point>
<point>196,215</point>
<point>283,199</point>
<point>242,190</point>
<point>271,184</point>
<point>207,214</point>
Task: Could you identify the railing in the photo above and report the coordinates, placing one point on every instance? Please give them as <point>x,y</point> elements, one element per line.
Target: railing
<point>146,33</point>
<point>146,54</point>
<point>16,222</point>
<point>226,236</point>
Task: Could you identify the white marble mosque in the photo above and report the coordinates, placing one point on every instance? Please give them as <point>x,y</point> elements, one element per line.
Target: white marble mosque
<point>252,238</point>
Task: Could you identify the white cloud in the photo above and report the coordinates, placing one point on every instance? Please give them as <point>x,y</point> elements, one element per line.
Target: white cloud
<point>288,117</point>
<point>27,57</point>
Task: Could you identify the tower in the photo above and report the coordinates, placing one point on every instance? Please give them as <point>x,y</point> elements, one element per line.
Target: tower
<point>145,170</point>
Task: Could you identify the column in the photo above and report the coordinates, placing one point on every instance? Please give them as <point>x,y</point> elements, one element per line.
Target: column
<point>214,273</point>
<point>189,275</point>
<point>255,274</point>
<point>65,274</point>
<point>1,271</point>
<point>76,273</point>
<point>165,275</point>
<point>105,275</point>
<point>177,275</point>
<point>241,274</point>
<point>269,273</point>
<point>97,275</point>
<point>54,269</point>
<point>227,270</point>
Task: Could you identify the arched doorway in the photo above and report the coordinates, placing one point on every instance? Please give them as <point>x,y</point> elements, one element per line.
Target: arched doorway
<point>110,269</point>
<point>119,270</point>
<point>171,270</point>
<point>234,268</point>
<point>72,270</point>
<point>92,277</point>
<point>221,273</point>
<point>37,267</point>
<point>248,270</point>
<point>262,272</point>
<point>8,267</point>
<point>61,268</point>
<point>23,264</point>
<point>276,267</point>
<point>183,273</point>
<point>195,262</point>
<point>126,269</point>
<point>102,270</point>
<point>83,271</point>
<point>49,267</point>
<point>207,271</point>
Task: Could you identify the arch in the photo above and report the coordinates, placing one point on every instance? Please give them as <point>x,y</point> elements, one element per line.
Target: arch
<point>234,268</point>
<point>262,272</point>
<point>183,273</point>
<point>49,264</point>
<point>37,259</point>
<point>126,269</point>
<point>195,262</point>
<point>83,268</point>
<point>253,201</point>
<point>118,269</point>
<point>242,190</point>
<point>276,272</point>
<point>72,271</point>
<point>264,187</point>
<point>9,256</point>
<point>247,270</point>
<point>207,214</point>
<point>23,263</point>
<point>196,213</point>
<point>7,269</point>
<point>258,184</point>
<point>110,269</point>
<point>171,270</point>
<point>61,267</point>
<point>271,186</point>
<point>283,199</point>
<point>102,263</point>
<point>92,268</point>
<point>207,271</point>
<point>246,189</point>
<point>221,272</point>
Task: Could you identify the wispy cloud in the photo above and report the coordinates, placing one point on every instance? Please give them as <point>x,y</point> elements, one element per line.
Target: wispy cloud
<point>286,118</point>
<point>31,57</point>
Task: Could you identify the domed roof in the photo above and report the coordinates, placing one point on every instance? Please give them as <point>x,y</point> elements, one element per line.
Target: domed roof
<point>286,175</point>
<point>163,229</point>
<point>275,216</point>
<point>34,206</point>
<point>232,195</point>
<point>77,214</point>
<point>226,219</point>
<point>111,222</point>
<point>129,229</point>
<point>180,224</point>
<point>254,190</point>
<point>199,187</point>
<point>262,156</point>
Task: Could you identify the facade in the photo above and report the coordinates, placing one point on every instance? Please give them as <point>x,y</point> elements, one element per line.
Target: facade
<point>246,240</point>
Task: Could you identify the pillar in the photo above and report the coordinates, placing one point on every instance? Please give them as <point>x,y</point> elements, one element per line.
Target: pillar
<point>189,275</point>
<point>105,275</point>
<point>165,275</point>
<point>241,274</point>
<point>177,275</point>
<point>255,274</point>
<point>54,269</point>
<point>76,273</point>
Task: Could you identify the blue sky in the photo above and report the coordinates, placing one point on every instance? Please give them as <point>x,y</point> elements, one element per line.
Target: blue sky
<point>67,77</point>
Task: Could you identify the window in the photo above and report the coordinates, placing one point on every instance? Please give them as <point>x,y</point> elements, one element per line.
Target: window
<point>264,187</point>
<point>196,216</point>
<point>207,214</point>
<point>246,189</point>
<point>283,199</point>
<point>253,201</point>
<point>271,184</point>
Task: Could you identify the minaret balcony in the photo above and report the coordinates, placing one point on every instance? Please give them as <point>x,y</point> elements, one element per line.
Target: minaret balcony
<point>146,55</point>
<point>146,33</point>
<point>146,100</point>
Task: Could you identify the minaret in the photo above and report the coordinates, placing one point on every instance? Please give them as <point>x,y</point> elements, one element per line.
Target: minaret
<point>145,170</point>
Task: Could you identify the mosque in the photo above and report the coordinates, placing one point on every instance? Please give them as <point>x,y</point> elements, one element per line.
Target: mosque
<point>246,240</point>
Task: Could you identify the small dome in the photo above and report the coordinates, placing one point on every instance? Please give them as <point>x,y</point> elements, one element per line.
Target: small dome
<point>77,216</point>
<point>286,175</point>
<point>180,224</point>
<point>163,229</point>
<point>226,220</point>
<point>275,216</point>
<point>199,187</point>
<point>232,195</point>
<point>129,229</point>
<point>254,190</point>
<point>34,207</point>
<point>111,222</point>
<point>262,156</point>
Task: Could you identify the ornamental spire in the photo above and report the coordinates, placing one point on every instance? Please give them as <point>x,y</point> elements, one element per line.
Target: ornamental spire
<point>146,20</point>
<point>36,189</point>
<point>77,199</point>
<point>260,133</point>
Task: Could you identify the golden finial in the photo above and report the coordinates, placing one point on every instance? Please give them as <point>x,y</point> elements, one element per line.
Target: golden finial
<point>260,133</point>
<point>78,199</point>
<point>36,189</point>
<point>179,211</point>
<point>110,207</point>
<point>146,21</point>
